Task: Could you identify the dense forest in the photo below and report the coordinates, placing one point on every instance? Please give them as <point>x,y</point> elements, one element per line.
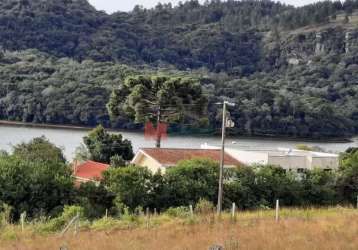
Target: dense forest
<point>292,71</point>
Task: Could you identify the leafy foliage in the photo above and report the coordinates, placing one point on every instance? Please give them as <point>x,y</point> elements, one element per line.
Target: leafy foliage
<point>34,186</point>
<point>177,99</point>
<point>131,185</point>
<point>192,180</point>
<point>348,176</point>
<point>39,149</point>
<point>102,145</point>
<point>95,200</point>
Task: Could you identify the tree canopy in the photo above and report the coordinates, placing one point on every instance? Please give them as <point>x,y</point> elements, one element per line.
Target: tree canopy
<point>39,149</point>
<point>102,145</point>
<point>32,181</point>
<point>159,99</point>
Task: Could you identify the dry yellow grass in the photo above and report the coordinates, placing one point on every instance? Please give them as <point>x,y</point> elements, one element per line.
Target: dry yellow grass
<point>297,229</point>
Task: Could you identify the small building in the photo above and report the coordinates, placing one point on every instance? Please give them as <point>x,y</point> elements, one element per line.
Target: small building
<point>162,158</point>
<point>89,171</point>
<point>289,159</point>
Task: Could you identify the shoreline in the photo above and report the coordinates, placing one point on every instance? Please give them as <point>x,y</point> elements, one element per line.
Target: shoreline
<point>43,125</point>
<point>263,137</point>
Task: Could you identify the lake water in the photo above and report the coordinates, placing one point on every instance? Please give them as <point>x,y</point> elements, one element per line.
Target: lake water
<point>69,139</point>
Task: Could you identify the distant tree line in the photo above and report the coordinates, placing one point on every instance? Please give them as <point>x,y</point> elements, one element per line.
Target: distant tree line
<point>319,100</point>
<point>216,35</point>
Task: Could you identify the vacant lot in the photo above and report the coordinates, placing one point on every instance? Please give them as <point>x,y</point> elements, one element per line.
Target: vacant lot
<point>334,228</point>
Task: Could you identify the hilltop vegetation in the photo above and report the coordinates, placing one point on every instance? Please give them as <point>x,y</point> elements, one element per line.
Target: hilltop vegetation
<point>292,71</point>
<point>216,35</point>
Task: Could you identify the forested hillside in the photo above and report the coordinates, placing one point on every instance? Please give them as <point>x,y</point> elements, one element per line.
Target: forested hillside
<point>293,71</point>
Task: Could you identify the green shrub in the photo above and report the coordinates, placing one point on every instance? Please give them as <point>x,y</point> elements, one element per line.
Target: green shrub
<point>57,224</point>
<point>71,211</point>
<point>178,212</point>
<point>204,207</point>
<point>105,223</point>
<point>5,215</point>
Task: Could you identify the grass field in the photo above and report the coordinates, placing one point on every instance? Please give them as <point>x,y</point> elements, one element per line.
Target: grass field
<point>331,228</point>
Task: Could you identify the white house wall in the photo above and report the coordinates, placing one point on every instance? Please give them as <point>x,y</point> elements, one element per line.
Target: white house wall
<point>248,157</point>
<point>325,162</point>
<point>289,162</point>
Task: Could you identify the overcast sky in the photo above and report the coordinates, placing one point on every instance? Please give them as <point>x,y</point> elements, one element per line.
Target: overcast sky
<point>111,6</point>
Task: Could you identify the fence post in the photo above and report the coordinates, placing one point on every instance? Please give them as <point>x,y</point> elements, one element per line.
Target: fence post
<point>74,220</point>
<point>106,213</point>
<point>357,201</point>
<point>147,217</point>
<point>233,211</point>
<point>277,210</point>
<point>191,210</point>
<point>22,219</point>
<point>76,223</point>
<point>155,211</point>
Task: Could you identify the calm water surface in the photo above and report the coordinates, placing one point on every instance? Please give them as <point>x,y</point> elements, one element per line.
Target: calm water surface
<point>69,139</point>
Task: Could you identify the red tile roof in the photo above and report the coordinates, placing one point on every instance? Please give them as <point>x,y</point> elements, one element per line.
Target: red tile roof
<point>170,157</point>
<point>90,170</point>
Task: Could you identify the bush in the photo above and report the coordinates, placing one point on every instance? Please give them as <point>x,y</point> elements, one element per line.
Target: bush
<point>204,207</point>
<point>37,186</point>
<point>95,200</point>
<point>5,214</point>
<point>178,212</point>
<point>105,223</point>
<point>192,180</point>
<point>131,185</point>
<point>57,224</point>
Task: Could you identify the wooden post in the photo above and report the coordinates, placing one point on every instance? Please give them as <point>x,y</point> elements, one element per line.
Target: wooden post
<point>233,211</point>
<point>357,201</point>
<point>277,210</point>
<point>147,217</point>
<point>155,212</point>
<point>22,219</point>
<point>106,213</point>
<point>76,223</point>
<point>74,219</point>
<point>191,210</point>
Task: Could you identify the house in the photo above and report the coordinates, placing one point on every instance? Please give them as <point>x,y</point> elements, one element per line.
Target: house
<point>289,159</point>
<point>89,171</point>
<point>162,158</point>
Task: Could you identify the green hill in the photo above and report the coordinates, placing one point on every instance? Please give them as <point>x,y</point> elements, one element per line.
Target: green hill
<point>293,71</point>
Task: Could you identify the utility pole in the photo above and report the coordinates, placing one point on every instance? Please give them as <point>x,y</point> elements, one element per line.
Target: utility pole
<point>158,139</point>
<point>222,156</point>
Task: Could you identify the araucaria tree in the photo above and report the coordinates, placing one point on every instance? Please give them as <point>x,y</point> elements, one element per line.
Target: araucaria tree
<point>159,99</point>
